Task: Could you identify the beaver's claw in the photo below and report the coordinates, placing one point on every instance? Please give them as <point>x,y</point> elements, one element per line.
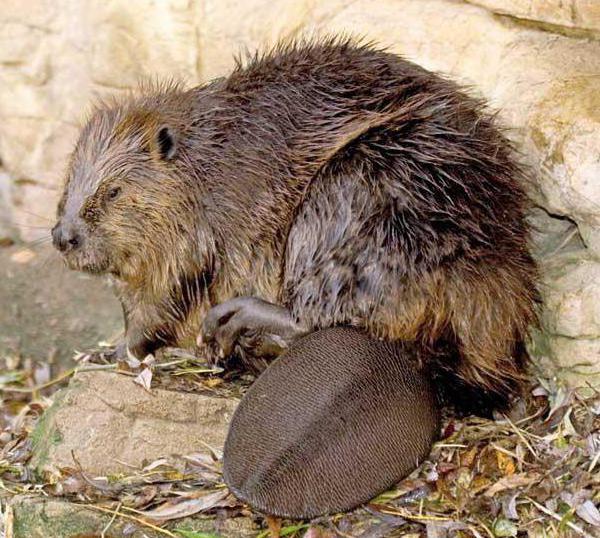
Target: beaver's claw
<point>259,328</point>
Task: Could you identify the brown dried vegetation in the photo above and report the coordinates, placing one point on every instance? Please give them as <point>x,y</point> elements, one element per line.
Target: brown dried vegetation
<point>532,473</point>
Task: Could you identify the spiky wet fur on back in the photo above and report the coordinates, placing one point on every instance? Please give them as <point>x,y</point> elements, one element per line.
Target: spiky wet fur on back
<point>344,182</point>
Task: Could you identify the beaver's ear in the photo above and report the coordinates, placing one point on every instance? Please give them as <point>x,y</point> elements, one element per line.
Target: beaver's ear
<point>166,143</point>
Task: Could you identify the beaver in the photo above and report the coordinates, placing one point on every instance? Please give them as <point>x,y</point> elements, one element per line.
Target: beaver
<point>323,184</point>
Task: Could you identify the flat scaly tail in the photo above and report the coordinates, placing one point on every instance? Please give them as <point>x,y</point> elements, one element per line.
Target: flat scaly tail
<point>339,418</point>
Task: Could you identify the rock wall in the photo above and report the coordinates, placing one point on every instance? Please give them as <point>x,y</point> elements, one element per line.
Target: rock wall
<point>536,61</point>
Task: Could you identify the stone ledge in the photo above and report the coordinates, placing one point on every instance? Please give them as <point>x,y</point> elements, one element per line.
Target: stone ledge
<point>112,425</point>
<point>576,14</point>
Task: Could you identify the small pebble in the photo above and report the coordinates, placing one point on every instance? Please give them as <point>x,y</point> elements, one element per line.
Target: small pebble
<point>23,256</point>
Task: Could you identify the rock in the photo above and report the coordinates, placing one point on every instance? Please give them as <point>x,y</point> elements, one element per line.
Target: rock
<point>48,311</point>
<point>112,424</point>
<point>565,130</point>
<point>569,344</point>
<point>250,25</point>
<point>578,14</point>
<point>36,517</point>
<point>574,361</point>
<point>143,38</point>
<point>571,292</point>
<point>553,235</point>
<point>571,317</point>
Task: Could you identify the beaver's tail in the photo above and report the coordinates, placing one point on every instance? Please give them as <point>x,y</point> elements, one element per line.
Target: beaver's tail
<point>337,419</point>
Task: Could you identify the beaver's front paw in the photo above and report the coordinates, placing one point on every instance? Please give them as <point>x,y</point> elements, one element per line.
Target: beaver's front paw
<point>250,326</point>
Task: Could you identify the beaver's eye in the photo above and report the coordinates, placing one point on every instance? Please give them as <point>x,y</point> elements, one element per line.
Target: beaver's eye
<point>113,193</point>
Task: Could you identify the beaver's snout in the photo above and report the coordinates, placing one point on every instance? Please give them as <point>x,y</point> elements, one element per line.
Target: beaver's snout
<point>67,236</point>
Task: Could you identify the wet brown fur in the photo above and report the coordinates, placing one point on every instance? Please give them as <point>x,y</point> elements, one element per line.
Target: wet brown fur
<point>341,181</point>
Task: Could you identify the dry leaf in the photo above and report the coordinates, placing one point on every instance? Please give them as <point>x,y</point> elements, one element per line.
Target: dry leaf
<point>183,507</point>
<point>504,528</point>
<point>203,461</point>
<point>132,361</point>
<point>505,463</point>
<point>156,463</point>
<point>510,482</point>
<point>213,382</point>
<point>144,379</point>
<point>509,507</point>
<point>149,360</point>
<point>467,458</point>
<point>589,513</point>
<point>145,496</point>
<point>479,483</point>
<point>436,531</point>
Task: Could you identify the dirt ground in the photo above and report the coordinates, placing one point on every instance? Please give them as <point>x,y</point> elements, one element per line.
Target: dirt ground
<point>47,311</point>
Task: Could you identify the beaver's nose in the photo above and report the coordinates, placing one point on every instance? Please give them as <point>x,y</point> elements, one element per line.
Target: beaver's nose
<point>65,237</point>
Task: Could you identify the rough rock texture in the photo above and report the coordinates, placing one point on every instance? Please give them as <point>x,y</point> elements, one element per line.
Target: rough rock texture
<point>111,424</point>
<point>578,14</point>
<point>537,61</point>
<point>35,517</point>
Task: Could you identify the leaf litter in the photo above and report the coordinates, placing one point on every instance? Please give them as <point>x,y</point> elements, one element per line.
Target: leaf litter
<point>534,472</point>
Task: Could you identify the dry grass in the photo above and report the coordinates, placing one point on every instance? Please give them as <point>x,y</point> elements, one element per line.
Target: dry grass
<point>533,473</point>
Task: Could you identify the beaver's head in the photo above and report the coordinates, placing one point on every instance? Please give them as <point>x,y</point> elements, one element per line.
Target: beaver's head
<point>127,208</point>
